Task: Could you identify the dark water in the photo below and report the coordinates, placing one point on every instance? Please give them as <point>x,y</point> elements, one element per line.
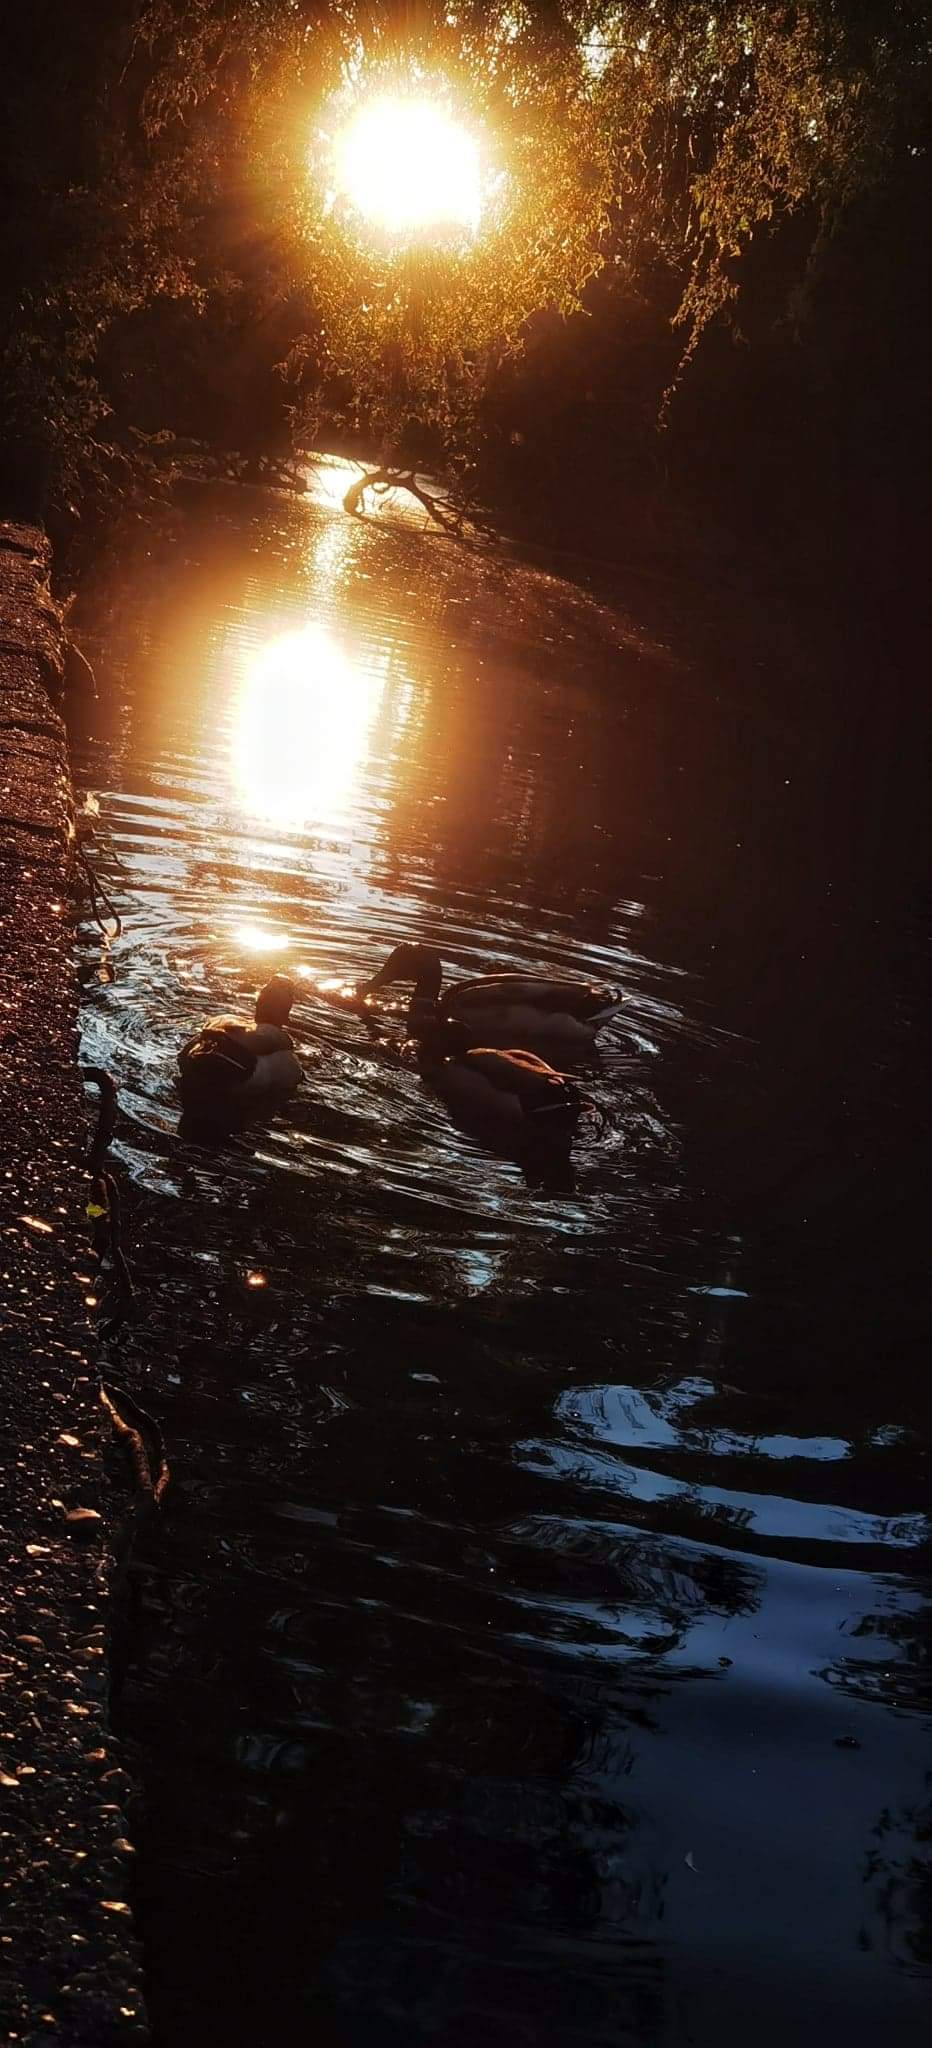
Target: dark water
<point>535,1649</point>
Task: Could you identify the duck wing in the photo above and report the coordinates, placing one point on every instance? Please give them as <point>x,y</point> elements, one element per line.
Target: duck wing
<point>224,1053</point>
<point>584,1000</point>
<point>540,1090</point>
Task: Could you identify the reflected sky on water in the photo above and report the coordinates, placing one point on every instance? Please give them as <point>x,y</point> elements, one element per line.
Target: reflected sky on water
<point>536,1649</point>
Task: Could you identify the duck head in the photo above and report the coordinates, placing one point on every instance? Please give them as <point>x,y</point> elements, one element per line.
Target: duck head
<point>273,1002</point>
<point>420,964</point>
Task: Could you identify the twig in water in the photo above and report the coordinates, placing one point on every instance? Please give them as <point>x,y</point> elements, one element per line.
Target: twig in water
<point>152,1475</point>
<point>104,1208</point>
<point>97,891</point>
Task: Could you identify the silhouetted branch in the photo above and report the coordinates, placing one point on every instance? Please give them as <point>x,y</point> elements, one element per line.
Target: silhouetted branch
<point>384,480</point>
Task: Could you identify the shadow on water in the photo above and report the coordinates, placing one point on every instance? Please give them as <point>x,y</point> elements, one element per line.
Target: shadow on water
<point>535,1650</point>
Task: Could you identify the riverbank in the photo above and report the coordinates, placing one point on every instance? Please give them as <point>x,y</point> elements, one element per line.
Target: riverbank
<point>70,1964</point>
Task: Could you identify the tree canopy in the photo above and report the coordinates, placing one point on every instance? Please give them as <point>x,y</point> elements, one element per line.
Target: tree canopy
<point>170,233</point>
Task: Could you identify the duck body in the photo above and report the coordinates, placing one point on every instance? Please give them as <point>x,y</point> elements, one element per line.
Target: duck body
<point>560,1014</point>
<point>236,1065</point>
<point>523,1009</point>
<point>524,1105</point>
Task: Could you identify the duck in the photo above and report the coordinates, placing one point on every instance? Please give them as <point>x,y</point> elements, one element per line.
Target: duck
<point>236,1065</point>
<point>514,1098</point>
<point>561,1013</point>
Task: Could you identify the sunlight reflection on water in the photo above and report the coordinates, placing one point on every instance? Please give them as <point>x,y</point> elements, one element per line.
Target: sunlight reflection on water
<point>300,729</point>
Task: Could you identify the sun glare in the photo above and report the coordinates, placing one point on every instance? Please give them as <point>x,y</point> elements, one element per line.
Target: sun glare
<point>407,167</point>
<point>300,730</point>
<point>257,938</point>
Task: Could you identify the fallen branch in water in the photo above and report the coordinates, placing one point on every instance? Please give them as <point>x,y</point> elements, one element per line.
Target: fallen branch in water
<point>382,481</point>
<point>151,1474</point>
<point>97,891</point>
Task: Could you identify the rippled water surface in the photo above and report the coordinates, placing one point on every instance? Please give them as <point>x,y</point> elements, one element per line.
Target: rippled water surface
<point>534,1649</point>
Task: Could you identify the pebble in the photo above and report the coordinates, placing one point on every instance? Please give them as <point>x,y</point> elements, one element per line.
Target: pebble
<point>83,1523</point>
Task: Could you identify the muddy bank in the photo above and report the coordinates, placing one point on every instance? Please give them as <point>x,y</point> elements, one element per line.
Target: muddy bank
<point>70,1969</point>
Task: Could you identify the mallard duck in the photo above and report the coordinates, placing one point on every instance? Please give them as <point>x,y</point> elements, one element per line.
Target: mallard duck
<point>513,1098</point>
<point>513,1009</point>
<point>234,1065</point>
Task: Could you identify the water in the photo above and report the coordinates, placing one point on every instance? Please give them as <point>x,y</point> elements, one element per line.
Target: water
<point>535,1649</point>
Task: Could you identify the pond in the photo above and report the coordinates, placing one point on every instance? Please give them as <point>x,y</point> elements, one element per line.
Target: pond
<point>534,1648</point>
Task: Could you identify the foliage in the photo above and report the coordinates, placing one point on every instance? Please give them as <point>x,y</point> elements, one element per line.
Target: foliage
<point>174,153</point>
<point>89,236</point>
<point>736,115</point>
<point>398,342</point>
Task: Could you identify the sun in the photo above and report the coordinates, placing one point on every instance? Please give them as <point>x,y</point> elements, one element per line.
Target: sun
<point>408,168</point>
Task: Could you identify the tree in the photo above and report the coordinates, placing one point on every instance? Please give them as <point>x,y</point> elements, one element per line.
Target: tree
<point>400,339</point>
<point>89,234</point>
<point>652,138</point>
<point>654,143</point>
<point>732,118</point>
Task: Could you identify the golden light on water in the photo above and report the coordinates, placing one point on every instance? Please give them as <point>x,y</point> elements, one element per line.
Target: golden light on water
<point>406,166</point>
<point>300,730</point>
<point>259,938</point>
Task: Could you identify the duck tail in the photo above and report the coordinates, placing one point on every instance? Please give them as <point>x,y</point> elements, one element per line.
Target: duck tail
<point>555,1119</point>
<point>609,1000</point>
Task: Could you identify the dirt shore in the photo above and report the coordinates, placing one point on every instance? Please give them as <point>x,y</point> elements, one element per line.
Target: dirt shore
<point>70,1971</point>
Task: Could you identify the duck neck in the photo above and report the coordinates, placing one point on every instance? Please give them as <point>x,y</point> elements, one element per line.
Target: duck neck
<point>437,1040</point>
<point>429,975</point>
<point>423,1017</point>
